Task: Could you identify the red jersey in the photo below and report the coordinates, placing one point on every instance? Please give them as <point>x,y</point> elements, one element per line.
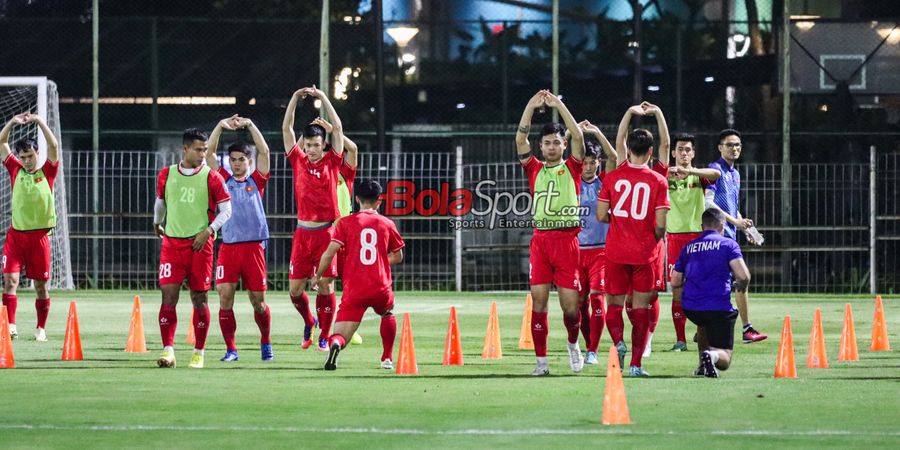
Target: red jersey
<point>13,165</point>
<point>634,193</point>
<point>315,185</point>
<point>214,182</point>
<point>260,179</point>
<point>367,237</point>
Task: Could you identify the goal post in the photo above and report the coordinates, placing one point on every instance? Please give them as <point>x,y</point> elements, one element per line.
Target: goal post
<point>38,95</point>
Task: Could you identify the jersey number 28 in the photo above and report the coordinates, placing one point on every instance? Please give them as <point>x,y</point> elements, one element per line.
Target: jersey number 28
<point>640,199</point>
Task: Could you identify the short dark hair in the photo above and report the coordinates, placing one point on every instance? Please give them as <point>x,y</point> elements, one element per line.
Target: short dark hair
<point>712,218</point>
<point>685,137</point>
<point>640,141</point>
<point>312,130</point>
<point>729,132</point>
<point>367,190</point>
<point>26,145</point>
<point>553,128</point>
<point>240,147</point>
<point>194,134</point>
<point>591,148</point>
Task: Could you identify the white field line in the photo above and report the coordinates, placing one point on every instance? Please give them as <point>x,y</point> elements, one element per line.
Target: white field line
<point>460,432</point>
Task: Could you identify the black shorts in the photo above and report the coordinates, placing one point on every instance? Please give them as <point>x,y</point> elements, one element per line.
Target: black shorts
<point>718,325</point>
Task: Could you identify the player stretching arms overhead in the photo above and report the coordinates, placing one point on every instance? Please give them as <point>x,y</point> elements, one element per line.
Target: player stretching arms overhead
<point>242,254</point>
<point>33,216</point>
<point>187,193</point>
<point>373,244</point>
<point>634,201</point>
<point>553,255</point>
<point>315,170</point>
<point>686,186</point>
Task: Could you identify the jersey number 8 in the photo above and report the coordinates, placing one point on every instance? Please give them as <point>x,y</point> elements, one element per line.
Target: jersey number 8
<point>367,252</point>
<point>639,201</point>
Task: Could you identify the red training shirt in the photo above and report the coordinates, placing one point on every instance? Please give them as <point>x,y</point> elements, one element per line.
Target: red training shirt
<point>367,237</point>
<point>315,185</point>
<point>634,193</point>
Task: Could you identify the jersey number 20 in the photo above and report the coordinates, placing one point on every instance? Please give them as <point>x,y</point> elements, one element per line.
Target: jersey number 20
<point>367,252</point>
<point>640,199</point>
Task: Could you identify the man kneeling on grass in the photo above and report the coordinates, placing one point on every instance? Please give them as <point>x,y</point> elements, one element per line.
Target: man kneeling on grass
<point>702,281</point>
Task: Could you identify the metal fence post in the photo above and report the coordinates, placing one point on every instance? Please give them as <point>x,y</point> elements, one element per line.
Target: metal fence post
<point>873,210</point>
<point>457,238</point>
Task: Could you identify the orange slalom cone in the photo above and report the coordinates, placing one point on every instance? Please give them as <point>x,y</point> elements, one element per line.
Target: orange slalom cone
<point>453,355</point>
<point>615,405</point>
<point>817,358</point>
<point>880,341</point>
<point>406,359</point>
<point>136,342</point>
<point>784,366</point>
<point>848,351</point>
<point>190,337</point>
<point>7,360</point>
<point>492,347</point>
<point>72,343</point>
<point>525,340</point>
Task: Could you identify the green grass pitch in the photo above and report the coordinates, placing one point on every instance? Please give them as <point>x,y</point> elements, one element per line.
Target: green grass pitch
<point>117,399</point>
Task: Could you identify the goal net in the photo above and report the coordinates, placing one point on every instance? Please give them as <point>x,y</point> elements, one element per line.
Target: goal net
<point>37,95</point>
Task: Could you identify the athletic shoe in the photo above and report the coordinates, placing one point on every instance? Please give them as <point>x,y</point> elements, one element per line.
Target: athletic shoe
<point>679,347</point>
<point>166,359</point>
<point>230,355</point>
<point>636,371</point>
<point>40,335</point>
<point>700,371</point>
<point>622,350</point>
<point>709,369</point>
<point>387,364</point>
<point>356,339</point>
<point>196,360</point>
<point>591,358</point>
<point>648,349</point>
<point>576,359</point>
<point>13,332</point>
<point>323,345</point>
<point>540,370</point>
<point>266,353</point>
<point>331,361</point>
<point>751,336</point>
<point>307,334</point>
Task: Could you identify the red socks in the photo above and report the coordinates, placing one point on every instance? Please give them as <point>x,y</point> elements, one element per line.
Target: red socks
<point>388,334</point>
<point>615,323</point>
<point>629,311</point>
<point>264,322</point>
<point>42,306</point>
<point>679,320</point>
<point>338,339</point>
<point>11,302</point>
<point>228,326</point>
<point>639,330</point>
<point>596,321</point>
<point>201,326</point>
<point>573,325</point>
<point>585,308</point>
<point>168,321</point>
<point>654,312</point>
<point>325,306</point>
<point>539,332</point>
<point>301,304</point>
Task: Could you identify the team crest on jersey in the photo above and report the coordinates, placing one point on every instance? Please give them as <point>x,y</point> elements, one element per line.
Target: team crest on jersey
<point>340,182</point>
<point>561,171</point>
<point>249,188</point>
<point>38,180</point>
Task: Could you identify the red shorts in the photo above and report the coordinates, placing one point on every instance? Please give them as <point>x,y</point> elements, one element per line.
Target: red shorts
<point>29,249</point>
<point>624,278</point>
<point>340,257</point>
<point>591,268</point>
<point>353,309</point>
<point>554,258</point>
<point>659,266</point>
<point>242,261</point>
<point>307,250</point>
<point>177,261</point>
<point>675,242</point>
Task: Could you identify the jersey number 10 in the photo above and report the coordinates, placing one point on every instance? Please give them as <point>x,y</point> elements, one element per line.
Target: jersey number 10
<point>640,199</point>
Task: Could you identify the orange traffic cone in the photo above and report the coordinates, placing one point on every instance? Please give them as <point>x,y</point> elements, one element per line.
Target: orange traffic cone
<point>784,366</point>
<point>453,355</point>
<point>7,360</point>
<point>492,347</point>
<point>615,405</point>
<point>525,340</point>
<point>406,360</point>
<point>72,343</point>
<point>190,337</point>
<point>848,351</point>
<point>817,358</point>
<point>880,341</point>
<point>136,342</point>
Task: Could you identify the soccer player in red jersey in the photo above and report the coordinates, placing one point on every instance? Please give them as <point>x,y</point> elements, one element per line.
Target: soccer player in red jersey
<point>33,216</point>
<point>373,244</point>
<point>187,193</point>
<point>315,170</point>
<point>242,255</point>
<point>553,253</point>
<point>634,200</point>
